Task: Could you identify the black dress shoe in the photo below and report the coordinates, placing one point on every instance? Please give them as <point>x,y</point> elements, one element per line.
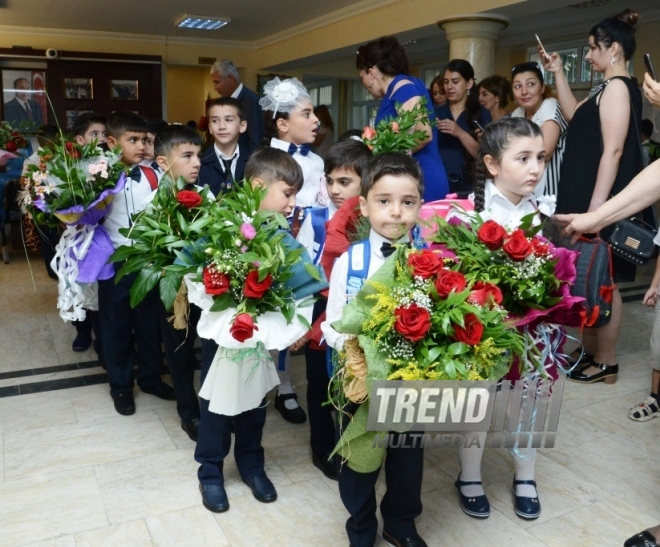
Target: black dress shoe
<point>327,467</point>
<point>81,343</point>
<point>412,541</point>
<point>124,403</point>
<point>191,428</point>
<point>474,506</point>
<point>526,508</point>
<point>262,489</point>
<point>214,497</point>
<point>607,374</point>
<point>162,391</point>
<point>292,415</point>
<point>643,539</point>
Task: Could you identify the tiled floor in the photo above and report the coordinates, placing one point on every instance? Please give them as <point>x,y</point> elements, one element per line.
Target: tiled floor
<point>74,472</point>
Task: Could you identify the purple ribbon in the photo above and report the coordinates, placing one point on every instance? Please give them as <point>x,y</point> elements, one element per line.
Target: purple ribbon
<point>94,265</point>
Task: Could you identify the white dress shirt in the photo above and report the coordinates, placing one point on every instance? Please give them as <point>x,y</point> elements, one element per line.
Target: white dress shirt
<point>233,157</point>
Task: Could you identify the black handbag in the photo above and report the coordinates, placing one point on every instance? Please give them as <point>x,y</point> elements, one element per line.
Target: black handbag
<point>632,240</point>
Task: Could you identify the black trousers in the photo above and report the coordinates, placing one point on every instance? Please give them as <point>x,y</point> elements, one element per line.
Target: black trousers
<point>182,360</point>
<point>124,329</point>
<point>214,436</point>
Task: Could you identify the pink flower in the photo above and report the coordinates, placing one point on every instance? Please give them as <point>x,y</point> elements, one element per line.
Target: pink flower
<point>395,127</point>
<point>248,230</point>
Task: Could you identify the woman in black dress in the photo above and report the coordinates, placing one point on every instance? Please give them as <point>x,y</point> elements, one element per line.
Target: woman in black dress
<point>601,157</point>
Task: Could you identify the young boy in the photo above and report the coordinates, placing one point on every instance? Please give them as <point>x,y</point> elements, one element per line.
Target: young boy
<point>123,327</point>
<point>178,149</point>
<point>224,163</point>
<point>344,165</point>
<point>153,128</point>
<point>89,127</point>
<point>277,171</point>
<point>390,197</point>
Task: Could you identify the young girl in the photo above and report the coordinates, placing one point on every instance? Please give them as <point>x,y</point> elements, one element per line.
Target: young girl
<point>510,164</point>
<point>292,126</point>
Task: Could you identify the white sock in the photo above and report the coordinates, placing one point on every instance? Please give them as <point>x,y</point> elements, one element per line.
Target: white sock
<point>285,386</point>
<point>525,465</point>
<point>471,466</point>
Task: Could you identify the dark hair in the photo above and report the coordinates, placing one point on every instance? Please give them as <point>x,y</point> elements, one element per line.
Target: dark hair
<point>646,127</point>
<point>270,125</point>
<point>227,101</point>
<point>47,135</point>
<point>535,69</point>
<point>386,54</point>
<point>350,134</point>
<point>348,154</point>
<point>620,29</point>
<point>322,112</point>
<point>439,81</point>
<point>82,123</point>
<point>155,126</point>
<point>20,80</point>
<point>271,165</point>
<point>122,121</point>
<point>192,123</point>
<point>495,140</point>
<point>464,68</point>
<point>498,86</point>
<point>171,136</point>
<point>391,163</point>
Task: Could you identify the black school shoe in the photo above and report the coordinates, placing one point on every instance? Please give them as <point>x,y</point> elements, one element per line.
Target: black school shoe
<point>526,508</point>
<point>124,403</point>
<point>292,415</point>
<point>214,497</point>
<point>191,428</point>
<point>262,489</point>
<point>412,541</point>
<point>162,391</point>
<point>327,467</point>
<point>81,343</point>
<point>473,506</point>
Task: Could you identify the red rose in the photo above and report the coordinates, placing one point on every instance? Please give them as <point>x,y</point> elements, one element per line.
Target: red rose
<point>72,150</point>
<point>215,282</point>
<point>412,322</point>
<point>424,263</point>
<point>10,146</point>
<point>243,327</point>
<point>448,281</point>
<point>491,234</point>
<point>189,199</point>
<point>255,288</point>
<point>539,248</point>
<point>517,246</point>
<point>483,292</point>
<point>472,332</point>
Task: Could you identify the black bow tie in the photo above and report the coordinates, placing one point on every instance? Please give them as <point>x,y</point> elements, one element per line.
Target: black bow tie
<point>387,248</point>
<point>135,173</point>
<point>303,149</point>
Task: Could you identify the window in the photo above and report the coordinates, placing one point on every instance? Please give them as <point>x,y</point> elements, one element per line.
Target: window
<point>320,95</point>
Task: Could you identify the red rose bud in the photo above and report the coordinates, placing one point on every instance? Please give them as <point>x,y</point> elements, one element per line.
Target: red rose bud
<point>412,322</point>
<point>189,199</point>
<point>368,133</point>
<point>539,248</point>
<point>424,264</point>
<point>491,234</point>
<point>448,281</point>
<point>72,150</point>
<point>471,333</point>
<point>395,127</point>
<point>215,282</point>
<point>10,146</point>
<point>243,327</point>
<point>517,246</point>
<point>255,288</point>
<point>483,292</point>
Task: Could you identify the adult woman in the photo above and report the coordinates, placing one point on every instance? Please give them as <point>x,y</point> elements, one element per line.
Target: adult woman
<point>494,95</point>
<point>534,103</point>
<point>385,73</point>
<point>437,90</point>
<point>325,136</point>
<point>600,158</point>
<point>456,122</point>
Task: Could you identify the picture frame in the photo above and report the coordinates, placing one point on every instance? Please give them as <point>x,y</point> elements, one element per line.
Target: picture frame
<point>72,115</point>
<point>79,89</point>
<point>124,90</point>
<point>20,87</point>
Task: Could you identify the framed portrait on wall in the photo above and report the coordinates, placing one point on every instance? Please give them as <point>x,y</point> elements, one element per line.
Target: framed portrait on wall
<point>124,90</point>
<point>78,88</point>
<point>72,116</point>
<point>24,103</point>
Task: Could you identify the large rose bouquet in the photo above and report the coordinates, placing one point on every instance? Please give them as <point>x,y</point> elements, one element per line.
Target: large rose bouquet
<point>398,134</point>
<point>11,142</point>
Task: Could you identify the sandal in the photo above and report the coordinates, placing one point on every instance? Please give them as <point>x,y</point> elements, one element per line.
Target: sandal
<point>645,411</point>
<point>643,539</point>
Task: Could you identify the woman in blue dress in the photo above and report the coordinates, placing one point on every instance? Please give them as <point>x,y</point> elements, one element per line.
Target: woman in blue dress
<point>385,73</point>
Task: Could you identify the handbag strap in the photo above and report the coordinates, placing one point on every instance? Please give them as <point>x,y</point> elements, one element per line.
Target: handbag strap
<point>646,225</point>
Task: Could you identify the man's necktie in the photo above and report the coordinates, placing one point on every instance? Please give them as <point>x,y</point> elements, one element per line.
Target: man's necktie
<point>229,179</point>
<point>28,111</point>
<point>303,149</point>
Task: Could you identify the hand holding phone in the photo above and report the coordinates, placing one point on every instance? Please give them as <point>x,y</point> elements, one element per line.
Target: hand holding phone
<point>649,66</point>
<point>542,51</point>
<point>477,125</point>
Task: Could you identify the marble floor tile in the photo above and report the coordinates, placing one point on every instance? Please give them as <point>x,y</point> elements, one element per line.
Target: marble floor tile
<point>36,410</point>
<point>2,458</point>
<point>134,533</point>
<point>195,526</point>
<point>65,540</point>
<point>82,444</point>
<point>51,376</point>
<point>234,483</point>
<point>45,507</point>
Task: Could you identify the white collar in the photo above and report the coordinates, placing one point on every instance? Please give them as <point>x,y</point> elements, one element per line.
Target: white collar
<point>376,241</point>
<point>222,156</point>
<point>280,144</point>
<point>493,192</point>
<point>237,91</point>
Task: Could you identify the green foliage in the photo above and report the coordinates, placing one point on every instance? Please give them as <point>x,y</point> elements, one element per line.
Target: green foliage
<point>398,134</point>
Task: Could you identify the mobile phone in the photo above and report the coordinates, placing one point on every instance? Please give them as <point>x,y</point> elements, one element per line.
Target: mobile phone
<point>649,66</point>
<point>544,53</point>
<point>477,125</point>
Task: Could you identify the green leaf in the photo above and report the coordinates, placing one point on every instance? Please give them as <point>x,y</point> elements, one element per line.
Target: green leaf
<point>312,271</point>
<point>144,282</point>
<point>222,302</point>
<point>169,287</point>
<point>303,320</point>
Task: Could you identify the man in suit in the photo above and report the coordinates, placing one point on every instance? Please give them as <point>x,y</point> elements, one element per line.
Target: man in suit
<point>227,83</point>
<point>21,109</point>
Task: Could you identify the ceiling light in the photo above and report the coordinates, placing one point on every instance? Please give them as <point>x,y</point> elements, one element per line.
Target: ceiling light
<point>201,22</point>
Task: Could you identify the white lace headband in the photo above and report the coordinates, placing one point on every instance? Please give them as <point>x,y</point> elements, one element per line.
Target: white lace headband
<point>283,95</point>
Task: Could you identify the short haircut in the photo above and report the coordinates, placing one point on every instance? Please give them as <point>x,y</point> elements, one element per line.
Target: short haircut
<point>122,121</point>
<point>391,163</point>
<point>171,136</point>
<point>156,126</point>
<point>228,101</point>
<point>646,127</point>
<point>84,121</point>
<point>271,165</point>
<point>226,68</point>
<point>348,154</point>
<point>21,80</point>
<point>47,135</point>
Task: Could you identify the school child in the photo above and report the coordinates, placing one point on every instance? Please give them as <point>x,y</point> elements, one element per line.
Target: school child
<point>282,176</point>
<point>153,128</point>
<point>510,165</point>
<point>90,127</point>
<point>223,164</point>
<point>391,198</point>
<point>123,327</point>
<point>344,165</point>
<point>292,126</point>
<point>178,149</point>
